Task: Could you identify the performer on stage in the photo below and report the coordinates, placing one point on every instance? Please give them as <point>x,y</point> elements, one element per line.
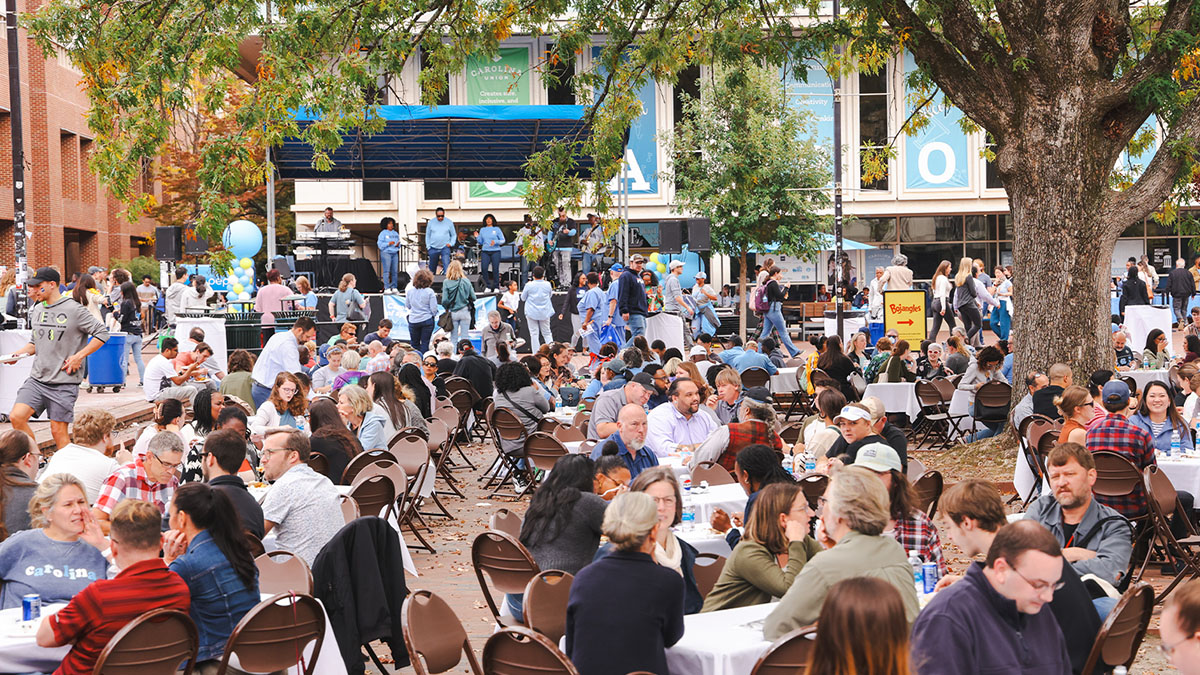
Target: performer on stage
<point>491,238</point>
<point>590,241</point>
<point>440,236</point>
<point>562,233</point>
<point>389,253</point>
<point>328,224</point>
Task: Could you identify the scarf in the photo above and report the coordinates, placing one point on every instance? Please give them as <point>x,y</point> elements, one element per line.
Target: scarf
<point>670,556</point>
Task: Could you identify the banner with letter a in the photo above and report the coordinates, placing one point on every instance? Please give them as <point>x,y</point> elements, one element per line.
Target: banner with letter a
<point>905,312</point>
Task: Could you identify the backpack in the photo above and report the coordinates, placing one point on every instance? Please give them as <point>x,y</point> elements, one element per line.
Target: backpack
<point>760,299</point>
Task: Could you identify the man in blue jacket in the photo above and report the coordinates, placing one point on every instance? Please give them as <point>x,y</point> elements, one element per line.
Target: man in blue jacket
<point>996,619</point>
<point>631,298</point>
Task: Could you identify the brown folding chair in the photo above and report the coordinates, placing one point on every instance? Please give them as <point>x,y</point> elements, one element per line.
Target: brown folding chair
<point>755,377</point>
<point>1164,503</point>
<point>792,432</point>
<point>504,426</point>
<point>1122,631</point>
<point>159,641</point>
<point>567,434</point>
<point>707,575</point>
<point>580,421</point>
<point>290,574</point>
<point>506,562</point>
<point>317,462</point>
<point>361,461</point>
<point>916,469</point>
<point>813,486</point>
<point>545,603</point>
<point>712,472</point>
<point>788,655</point>
<point>434,636</point>
<point>520,651</point>
<point>349,508</point>
<point>549,425</point>
<point>508,522</point>
<point>929,490</point>
<point>439,443</point>
<point>541,451</point>
<point>586,447</point>
<point>376,492</point>
<point>274,634</point>
<point>413,454</point>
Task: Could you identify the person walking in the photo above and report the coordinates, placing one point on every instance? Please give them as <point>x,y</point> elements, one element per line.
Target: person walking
<point>538,308</point>
<point>673,302</point>
<point>943,308</point>
<point>129,317</point>
<point>148,296</point>
<point>704,296</point>
<point>491,238</point>
<point>347,304</point>
<point>458,297</point>
<point>631,299</point>
<point>422,309</point>
<point>773,319</point>
<point>1133,290</point>
<point>388,242</point>
<point>570,306</point>
<point>281,354</point>
<point>966,299</point>
<point>1182,288</point>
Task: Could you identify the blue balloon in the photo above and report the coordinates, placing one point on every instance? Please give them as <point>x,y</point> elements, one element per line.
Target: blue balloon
<point>692,264</point>
<point>242,238</point>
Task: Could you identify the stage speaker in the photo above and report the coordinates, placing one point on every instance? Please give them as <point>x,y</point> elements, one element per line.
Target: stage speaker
<point>670,236</point>
<point>193,245</point>
<point>699,234</point>
<point>168,244</point>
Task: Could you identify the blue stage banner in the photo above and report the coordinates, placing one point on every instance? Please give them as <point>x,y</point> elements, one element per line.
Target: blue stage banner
<point>394,308</point>
<point>936,158</point>
<point>641,153</point>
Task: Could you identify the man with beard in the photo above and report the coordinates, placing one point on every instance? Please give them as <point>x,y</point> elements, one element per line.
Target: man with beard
<point>678,427</point>
<point>629,443</point>
<point>1094,538</point>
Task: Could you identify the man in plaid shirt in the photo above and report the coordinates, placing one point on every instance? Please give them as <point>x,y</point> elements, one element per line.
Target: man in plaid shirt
<point>151,478</point>
<point>1116,434</point>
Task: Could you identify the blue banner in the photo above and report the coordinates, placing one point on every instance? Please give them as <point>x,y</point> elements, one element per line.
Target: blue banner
<point>815,96</point>
<point>396,309</point>
<point>936,157</point>
<point>641,153</point>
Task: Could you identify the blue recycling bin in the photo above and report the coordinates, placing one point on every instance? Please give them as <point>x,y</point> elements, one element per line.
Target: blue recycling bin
<point>105,367</point>
<point>877,331</point>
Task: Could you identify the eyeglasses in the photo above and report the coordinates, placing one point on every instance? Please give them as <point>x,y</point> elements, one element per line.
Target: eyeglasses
<point>287,390</point>
<point>664,501</point>
<point>1168,650</point>
<point>1038,586</point>
<point>170,466</point>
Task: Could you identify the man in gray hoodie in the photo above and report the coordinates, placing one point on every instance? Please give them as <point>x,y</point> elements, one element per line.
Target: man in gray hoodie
<point>64,334</point>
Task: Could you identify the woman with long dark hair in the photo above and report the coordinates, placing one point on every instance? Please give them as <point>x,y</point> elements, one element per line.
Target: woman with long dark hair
<point>86,294</point>
<point>205,409</point>
<point>756,467</point>
<point>1191,347</point>
<point>857,607</point>
<point>129,316</point>
<point>331,437</point>
<point>900,366</point>
<point>1158,415</point>
<point>396,404</point>
<point>284,407</point>
<point>19,459</point>
<point>966,297</point>
<point>1155,356</point>
<point>837,365</point>
<point>562,526</point>
<point>410,377</point>
<point>1133,290</point>
<point>210,552</point>
<point>168,416</point>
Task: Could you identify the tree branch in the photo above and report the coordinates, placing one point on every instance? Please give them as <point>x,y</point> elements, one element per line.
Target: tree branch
<point>1159,61</point>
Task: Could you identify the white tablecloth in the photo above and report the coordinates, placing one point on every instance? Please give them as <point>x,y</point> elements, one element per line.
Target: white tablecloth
<point>665,327</point>
<point>563,415</point>
<point>1141,319</point>
<point>14,375</point>
<point>726,642</point>
<point>730,498</point>
<point>214,336</point>
<point>960,404</point>
<point>851,325</point>
<point>897,397</point>
<point>784,380</point>
<point>1144,377</point>
<point>1184,473</point>
<point>22,655</point>
<point>706,540</point>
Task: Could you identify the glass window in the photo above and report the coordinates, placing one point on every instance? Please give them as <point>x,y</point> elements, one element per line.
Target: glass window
<point>931,228</point>
<point>1157,229</point>
<point>1004,226</point>
<point>924,259</point>
<point>1135,230</point>
<point>977,228</point>
<point>377,191</point>
<point>560,91</point>
<point>444,97</point>
<point>984,252</point>
<point>1006,255</point>
<point>437,190</point>
<point>1163,253</point>
<point>687,87</point>
<point>873,117</point>
<point>870,230</point>
<point>991,175</point>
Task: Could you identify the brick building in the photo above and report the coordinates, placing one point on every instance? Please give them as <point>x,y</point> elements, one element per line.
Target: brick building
<point>72,220</point>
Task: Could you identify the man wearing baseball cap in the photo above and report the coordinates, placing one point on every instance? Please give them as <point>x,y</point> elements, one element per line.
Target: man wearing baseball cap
<point>673,302</point>
<point>64,333</point>
<point>603,422</point>
<point>704,296</point>
<point>857,431</point>
<point>880,426</point>
<point>631,298</point>
<point>1115,433</point>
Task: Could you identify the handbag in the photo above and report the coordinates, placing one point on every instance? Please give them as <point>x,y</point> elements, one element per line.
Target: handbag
<point>445,322</point>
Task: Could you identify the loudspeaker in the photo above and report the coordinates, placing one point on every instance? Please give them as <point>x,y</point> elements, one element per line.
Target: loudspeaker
<point>699,234</point>
<point>168,244</point>
<point>670,236</point>
<point>193,245</point>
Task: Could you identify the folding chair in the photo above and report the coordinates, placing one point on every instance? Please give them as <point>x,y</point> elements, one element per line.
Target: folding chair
<point>755,377</point>
<point>545,603</point>
<point>1118,477</point>
<point>361,461</point>
<point>290,574</point>
<point>439,450</point>
<point>404,501</point>
<point>712,472</point>
<point>159,641</point>
<point>929,490</point>
<point>349,508</point>
<point>801,402</point>
<point>813,486</point>
<point>508,522</point>
<point>520,651</point>
<point>434,636</point>
<point>501,558</point>
<point>992,402</point>
<point>1122,631</point>
<point>707,574</point>
<point>937,423</point>
<point>792,432</point>
<point>275,633</point>
<point>916,469</point>
<point>317,462</point>
<point>788,655</point>
<point>541,452</point>
<point>1164,502</point>
<point>570,434</point>
<point>504,426</point>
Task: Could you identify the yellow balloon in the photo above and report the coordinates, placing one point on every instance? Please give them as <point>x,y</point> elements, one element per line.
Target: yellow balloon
<point>238,288</point>
<point>247,263</point>
<point>662,269</point>
<point>654,258</point>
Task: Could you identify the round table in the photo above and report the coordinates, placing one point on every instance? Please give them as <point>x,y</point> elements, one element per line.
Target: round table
<point>897,397</point>
<point>784,380</point>
<point>1184,472</point>
<point>1144,377</point>
<point>725,642</point>
<point>730,498</point>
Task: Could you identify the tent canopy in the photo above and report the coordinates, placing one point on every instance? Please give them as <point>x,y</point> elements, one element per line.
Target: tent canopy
<point>442,143</point>
<point>827,242</point>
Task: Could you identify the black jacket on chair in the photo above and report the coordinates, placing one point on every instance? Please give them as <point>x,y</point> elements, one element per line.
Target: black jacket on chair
<point>359,577</point>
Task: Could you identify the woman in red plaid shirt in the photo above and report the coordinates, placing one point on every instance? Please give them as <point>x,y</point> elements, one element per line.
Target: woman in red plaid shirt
<point>909,525</point>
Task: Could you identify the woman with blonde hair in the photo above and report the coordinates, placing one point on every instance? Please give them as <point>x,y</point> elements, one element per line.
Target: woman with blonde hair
<point>458,297</point>
<point>625,598</point>
<point>285,407</point>
<point>943,309</point>
<point>8,291</point>
<point>347,304</point>
<point>854,608</point>
<point>358,411</point>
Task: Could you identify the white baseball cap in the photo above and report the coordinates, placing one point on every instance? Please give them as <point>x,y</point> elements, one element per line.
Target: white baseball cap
<point>853,413</point>
<point>675,263</point>
<point>879,457</point>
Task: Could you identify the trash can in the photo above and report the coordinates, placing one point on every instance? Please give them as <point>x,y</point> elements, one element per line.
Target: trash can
<point>105,366</point>
<point>877,331</point>
<point>243,330</point>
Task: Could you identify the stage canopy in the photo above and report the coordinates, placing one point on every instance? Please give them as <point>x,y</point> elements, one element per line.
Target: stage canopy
<point>442,143</point>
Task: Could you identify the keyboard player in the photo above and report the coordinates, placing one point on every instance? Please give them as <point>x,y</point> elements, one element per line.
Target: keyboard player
<point>328,224</point>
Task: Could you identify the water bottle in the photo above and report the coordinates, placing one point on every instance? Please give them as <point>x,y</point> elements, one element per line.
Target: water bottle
<point>688,519</point>
<point>1120,670</point>
<point>1175,448</point>
<point>557,401</point>
<point>918,571</point>
<point>810,462</point>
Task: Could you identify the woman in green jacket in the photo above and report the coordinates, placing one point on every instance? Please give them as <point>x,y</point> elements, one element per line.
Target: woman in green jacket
<point>773,551</point>
<point>458,297</point>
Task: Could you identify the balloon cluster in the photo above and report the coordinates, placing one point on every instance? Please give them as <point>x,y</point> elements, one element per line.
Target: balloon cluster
<point>692,264</point>
<point>244,240</point>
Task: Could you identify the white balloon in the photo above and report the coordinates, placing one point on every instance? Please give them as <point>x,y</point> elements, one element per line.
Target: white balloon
<point>244,296</point>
